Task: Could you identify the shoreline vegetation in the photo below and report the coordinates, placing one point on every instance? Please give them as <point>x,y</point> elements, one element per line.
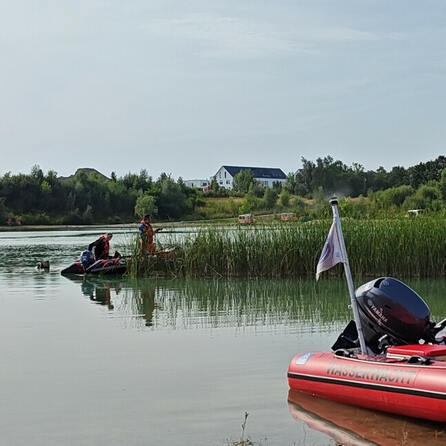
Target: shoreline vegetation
<point>405,247</point>
<point>379,239</point>
<point>89,197</point>
<point>134,225</point>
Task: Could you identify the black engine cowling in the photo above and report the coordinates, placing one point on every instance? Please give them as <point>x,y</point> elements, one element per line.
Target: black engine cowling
<point>389,310</point>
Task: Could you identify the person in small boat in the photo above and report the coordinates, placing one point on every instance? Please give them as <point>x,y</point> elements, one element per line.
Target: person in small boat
<point>101,247</point>
<point>146,234</point>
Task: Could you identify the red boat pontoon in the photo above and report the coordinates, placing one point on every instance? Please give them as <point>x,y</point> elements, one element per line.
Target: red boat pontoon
<point>414,385</point>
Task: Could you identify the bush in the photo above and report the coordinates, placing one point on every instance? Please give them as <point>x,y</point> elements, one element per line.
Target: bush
<point>355,208</point>
<point>114,220</point>
<point>284,198</point>
<point>394,196</point>
<point>269,198</point>
<point>39,218</point>
<point>427,197</point>
<point>73,218</point>
<point>250,204</point>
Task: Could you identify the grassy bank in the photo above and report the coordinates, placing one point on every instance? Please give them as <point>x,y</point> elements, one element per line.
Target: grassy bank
<point>399,247</point>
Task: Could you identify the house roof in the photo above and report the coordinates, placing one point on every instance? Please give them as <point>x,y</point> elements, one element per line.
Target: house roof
<point>258,172</point>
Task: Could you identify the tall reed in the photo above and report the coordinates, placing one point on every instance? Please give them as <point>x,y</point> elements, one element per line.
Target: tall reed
<point>399,247</point>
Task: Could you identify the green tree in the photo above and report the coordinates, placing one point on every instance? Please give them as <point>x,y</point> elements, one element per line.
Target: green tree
<point>145,204</point>
<point>215,187</point>
<point>51,178</point>
<point>45,187</point>
<point>290,183</point>
<point>3,211</point>
<point>36,172</point>
<point>172,200</point>
<point>256,189</point>
<point>443,185</point>
<point>243,180</point>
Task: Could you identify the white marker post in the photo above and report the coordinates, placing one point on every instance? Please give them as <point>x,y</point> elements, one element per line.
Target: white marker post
<point>348,276</point>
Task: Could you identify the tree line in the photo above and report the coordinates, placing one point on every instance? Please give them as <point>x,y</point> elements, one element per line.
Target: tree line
<point>89,197</point>
<point>86,198</point>
<point>370,193</point>
<point>333,176</point>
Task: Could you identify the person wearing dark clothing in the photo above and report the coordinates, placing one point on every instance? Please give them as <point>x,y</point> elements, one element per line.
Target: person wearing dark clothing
<point>101,247</point>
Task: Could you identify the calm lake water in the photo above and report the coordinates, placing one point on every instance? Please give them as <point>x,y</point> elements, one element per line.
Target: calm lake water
<point>90,361</point>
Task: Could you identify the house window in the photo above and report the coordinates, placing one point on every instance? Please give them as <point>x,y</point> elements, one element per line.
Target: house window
<point>221,182</point>
<point>225,173</point>
<point>228,182</point>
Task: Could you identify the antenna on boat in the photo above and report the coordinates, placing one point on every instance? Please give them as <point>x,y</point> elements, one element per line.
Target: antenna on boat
<point>348,275</point>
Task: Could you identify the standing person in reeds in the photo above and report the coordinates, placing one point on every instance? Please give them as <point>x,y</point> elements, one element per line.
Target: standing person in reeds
<point>146,233</point>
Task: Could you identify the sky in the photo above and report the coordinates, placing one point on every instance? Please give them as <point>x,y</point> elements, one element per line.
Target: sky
<point>183,87</point>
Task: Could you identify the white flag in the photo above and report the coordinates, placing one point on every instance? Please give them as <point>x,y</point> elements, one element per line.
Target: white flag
<point>331,254</point>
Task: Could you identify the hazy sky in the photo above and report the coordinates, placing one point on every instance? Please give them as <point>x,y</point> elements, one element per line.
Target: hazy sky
<point>186,86</point>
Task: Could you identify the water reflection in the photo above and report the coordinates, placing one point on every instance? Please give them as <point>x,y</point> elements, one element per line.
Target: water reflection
<point>349,425</point>
<point>186,304</point>
<point>303,306</point>
<point>98,290</point>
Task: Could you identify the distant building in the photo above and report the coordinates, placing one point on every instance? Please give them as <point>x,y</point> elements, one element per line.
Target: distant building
<point>266,176</point>
<point>198,184</point>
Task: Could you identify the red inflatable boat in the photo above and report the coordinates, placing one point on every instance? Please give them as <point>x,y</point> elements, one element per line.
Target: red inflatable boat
<point>408,380</point>
<point>389,358</point>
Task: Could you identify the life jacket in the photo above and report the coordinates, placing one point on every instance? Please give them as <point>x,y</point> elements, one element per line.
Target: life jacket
<point>147,231</point>
<point>106,244</point>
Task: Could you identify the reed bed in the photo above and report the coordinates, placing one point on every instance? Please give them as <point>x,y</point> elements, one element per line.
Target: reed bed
<point>398,247</point>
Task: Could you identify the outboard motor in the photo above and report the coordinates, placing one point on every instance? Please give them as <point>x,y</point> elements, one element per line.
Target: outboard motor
<point>388,307</point>
<point>86,259</point>
<point>391,313</point>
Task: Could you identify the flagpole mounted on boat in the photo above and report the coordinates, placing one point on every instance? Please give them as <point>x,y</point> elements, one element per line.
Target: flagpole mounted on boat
<point>334,252</point>
<point>348,275</point>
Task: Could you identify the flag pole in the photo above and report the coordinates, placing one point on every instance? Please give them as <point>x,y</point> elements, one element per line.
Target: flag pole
<point>348,276</point>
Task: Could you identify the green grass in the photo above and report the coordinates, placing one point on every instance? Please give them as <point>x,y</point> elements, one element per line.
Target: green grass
<point>399,247</point>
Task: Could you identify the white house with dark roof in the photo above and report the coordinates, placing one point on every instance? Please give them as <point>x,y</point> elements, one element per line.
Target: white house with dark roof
<point>266,176</point>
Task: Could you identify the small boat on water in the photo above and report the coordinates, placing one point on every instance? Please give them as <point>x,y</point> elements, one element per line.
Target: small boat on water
<point>101,266</point>
<point>113,265</point>
<point>390,358</point>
